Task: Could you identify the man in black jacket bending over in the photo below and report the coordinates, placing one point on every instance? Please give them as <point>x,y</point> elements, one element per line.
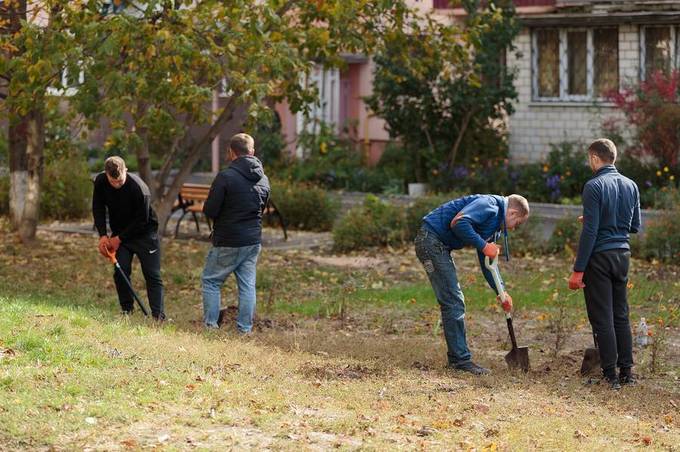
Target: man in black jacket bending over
<point>237,199</point>
<point>134,230</point>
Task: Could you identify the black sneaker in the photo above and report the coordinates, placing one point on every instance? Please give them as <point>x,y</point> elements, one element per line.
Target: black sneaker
<point>470,367</point>
<point>626,378</point>
<point>160,318</point>
<point>613,383</point>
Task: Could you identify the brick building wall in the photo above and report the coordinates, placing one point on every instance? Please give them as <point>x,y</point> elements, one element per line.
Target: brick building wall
<point>535,125</point>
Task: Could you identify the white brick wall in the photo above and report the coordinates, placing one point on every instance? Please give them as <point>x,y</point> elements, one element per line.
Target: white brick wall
<point>534,126</point>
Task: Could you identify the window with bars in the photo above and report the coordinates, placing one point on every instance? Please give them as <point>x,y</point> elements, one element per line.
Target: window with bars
<point>658,49</point>
<point>574,64</point>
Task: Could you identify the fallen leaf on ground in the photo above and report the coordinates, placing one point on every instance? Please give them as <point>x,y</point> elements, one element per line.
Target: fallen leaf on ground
<point>129,443</point>
<point>482,407</point>
<point>578,434</point>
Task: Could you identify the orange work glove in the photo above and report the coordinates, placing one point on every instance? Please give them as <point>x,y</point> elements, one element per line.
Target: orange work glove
<point>114,243</point>
<point>491,250</point>
<point>103,245</point>
<point>576,281</point>
<point>507,303</point>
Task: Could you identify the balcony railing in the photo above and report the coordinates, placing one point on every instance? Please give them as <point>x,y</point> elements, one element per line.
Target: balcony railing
<point>444,4</point>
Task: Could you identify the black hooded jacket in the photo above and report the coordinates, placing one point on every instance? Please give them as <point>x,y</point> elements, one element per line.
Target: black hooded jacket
<point>237,199</point>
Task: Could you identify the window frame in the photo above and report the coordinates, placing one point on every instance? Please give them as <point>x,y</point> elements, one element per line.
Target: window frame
<point>564,95</point>
<point>674,36</point>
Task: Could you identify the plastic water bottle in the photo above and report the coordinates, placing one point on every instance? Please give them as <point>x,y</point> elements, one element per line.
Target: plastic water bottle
<point>642,333</point>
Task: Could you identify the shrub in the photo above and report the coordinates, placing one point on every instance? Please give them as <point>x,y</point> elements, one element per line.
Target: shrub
<point>66,190</point>
<point>565,236</point>
<point>4,195</point>
<point>652,110</point>
<point>662,237</point>
<point>527,239</point>
<point>305,207</point>
<point>375,223</point>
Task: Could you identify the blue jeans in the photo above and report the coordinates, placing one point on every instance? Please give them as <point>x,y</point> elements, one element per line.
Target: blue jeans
<point>219,264</point>
<point>441,270</point>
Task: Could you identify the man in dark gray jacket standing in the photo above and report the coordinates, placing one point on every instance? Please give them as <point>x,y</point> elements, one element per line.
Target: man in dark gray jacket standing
<point>237,199</point>
<point>611,211</point>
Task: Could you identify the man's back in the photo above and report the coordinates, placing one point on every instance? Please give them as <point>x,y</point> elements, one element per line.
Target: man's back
<point>237,199</point>
<point>611,209</point>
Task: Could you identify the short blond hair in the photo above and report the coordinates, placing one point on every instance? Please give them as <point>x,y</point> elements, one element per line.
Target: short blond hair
<point>114,166</point>
<point>519,203</point>
<point>242,144</point>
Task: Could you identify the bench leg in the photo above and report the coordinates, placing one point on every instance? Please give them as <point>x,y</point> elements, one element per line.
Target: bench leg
<point>184,212</point>
<point>281,220</point>
<point>198,227</point>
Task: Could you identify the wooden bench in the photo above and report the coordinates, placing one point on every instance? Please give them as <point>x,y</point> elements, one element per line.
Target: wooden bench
<point>191,198</point>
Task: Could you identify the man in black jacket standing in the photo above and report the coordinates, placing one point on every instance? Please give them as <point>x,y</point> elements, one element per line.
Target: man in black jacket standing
<point>134,231</point>
<point>237,199</point>
<point>611,211</point>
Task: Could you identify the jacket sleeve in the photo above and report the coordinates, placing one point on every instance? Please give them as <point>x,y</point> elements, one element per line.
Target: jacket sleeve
<point>218,190</point>
<point>99,208</point>
<point>141,205</point>
<point>637,220</point>
<point>591,223</point>
<point>488,276</point>
<point>474,214</point>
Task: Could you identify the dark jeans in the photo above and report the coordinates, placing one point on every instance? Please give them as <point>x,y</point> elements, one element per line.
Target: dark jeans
<point>441,270</point>
<point>606,278</point>
<point>148,251</point>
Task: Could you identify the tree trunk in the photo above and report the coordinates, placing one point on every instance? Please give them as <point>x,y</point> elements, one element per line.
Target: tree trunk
<point>18,169</point>
<point>229,122</point>
<point>27,139</point>
<point>459,138</point>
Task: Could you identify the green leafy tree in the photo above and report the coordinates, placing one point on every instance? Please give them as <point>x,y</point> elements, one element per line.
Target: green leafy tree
<point>449,88</point>
<point>34,51</point>
<point>155,70</point>
<point>150,69</point>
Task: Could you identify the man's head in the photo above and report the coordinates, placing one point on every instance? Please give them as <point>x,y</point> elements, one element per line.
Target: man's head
<point>115,170</point>
<point>601,152</point>
<point>241,145</point>
<point>518,211</point>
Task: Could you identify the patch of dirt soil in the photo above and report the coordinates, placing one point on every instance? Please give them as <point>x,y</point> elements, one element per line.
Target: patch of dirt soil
<point>343,372</point>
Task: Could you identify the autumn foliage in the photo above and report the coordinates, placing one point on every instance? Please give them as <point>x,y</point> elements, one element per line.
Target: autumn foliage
<point>652,108</point>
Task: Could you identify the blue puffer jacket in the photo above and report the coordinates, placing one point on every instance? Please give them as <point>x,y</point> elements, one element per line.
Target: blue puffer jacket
<point>479,219</point>
<point>237,199</point>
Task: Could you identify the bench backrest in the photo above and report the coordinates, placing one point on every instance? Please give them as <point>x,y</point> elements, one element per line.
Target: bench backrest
<point>194,192</point>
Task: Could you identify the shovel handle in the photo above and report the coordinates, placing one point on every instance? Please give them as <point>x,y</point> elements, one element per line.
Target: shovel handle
<point>492,266</point>
<point>511,330</point>
<point>112,255</point>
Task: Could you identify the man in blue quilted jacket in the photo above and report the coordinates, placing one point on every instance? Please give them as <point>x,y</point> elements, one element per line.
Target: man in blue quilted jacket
<point>236,202</point>
<point>611,212</point>
<point>477,221</point>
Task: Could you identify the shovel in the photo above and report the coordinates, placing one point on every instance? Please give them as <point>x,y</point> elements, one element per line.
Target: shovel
<point>114,261</point>
<point>591,358</point>
<point>518,357</point>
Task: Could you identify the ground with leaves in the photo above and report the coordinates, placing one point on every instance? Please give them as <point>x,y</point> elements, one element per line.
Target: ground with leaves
<point>347,353</point>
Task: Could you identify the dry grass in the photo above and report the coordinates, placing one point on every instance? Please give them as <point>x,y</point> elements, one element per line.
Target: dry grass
<point>370,375</point>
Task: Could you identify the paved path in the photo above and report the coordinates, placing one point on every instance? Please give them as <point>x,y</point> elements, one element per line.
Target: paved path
<point>271,238</point>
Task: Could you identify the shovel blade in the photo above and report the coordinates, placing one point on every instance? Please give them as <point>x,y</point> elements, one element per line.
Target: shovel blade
<point>591,361</point>
<point>518,358</point>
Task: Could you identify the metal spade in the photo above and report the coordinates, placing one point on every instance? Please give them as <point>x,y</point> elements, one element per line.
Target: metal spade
<point>518,357</point>
<point>591,358</point>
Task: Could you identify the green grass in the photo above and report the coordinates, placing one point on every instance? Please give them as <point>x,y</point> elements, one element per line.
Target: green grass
<point>354,360</point>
